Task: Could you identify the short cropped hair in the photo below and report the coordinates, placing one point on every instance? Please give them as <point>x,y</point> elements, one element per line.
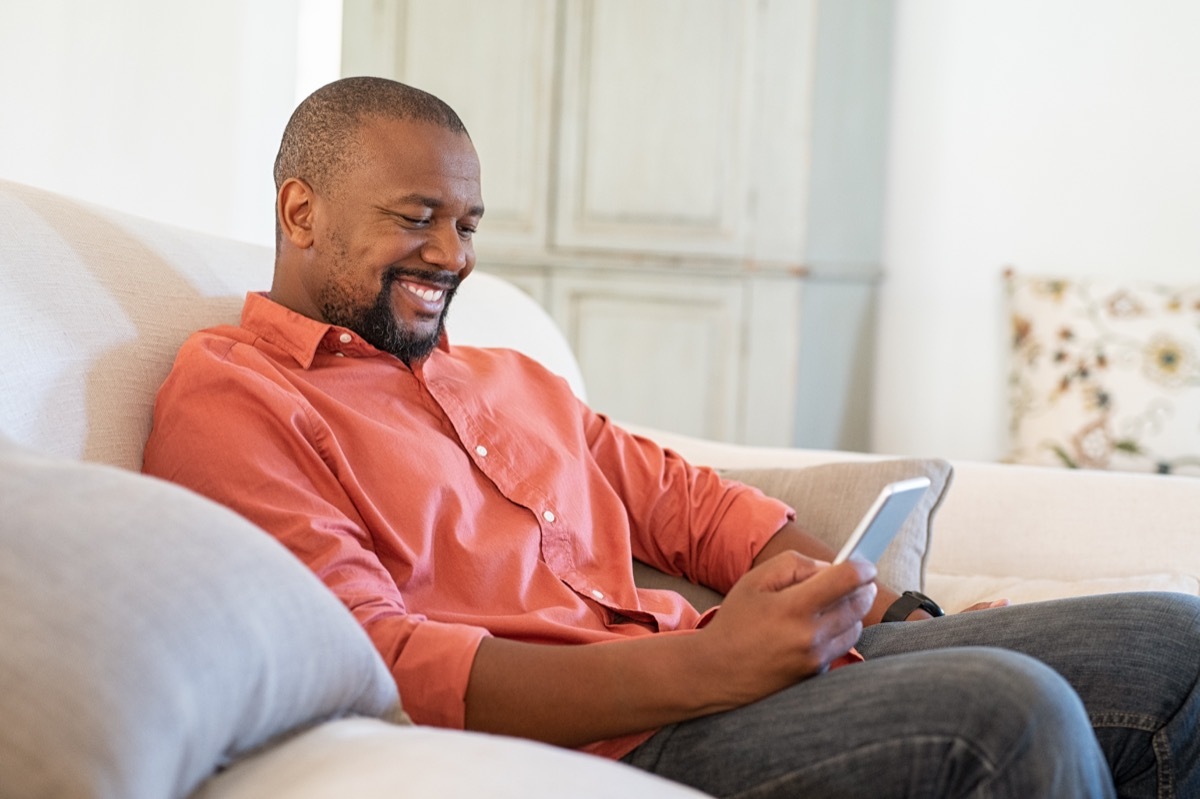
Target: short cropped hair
<point>321,140</point>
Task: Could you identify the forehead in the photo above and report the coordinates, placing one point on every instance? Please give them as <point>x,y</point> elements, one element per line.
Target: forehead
<point>410,155</point>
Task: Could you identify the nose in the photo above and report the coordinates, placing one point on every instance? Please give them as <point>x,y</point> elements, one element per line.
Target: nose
<point>446,249</point>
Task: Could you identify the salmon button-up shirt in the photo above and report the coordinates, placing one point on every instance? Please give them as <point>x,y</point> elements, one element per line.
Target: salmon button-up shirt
<point>468,496</point>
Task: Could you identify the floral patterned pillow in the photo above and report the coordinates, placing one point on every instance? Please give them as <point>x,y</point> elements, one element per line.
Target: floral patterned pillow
<point>1105,374</point>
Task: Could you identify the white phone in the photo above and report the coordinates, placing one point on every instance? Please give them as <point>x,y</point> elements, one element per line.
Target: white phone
<point>886,516</point>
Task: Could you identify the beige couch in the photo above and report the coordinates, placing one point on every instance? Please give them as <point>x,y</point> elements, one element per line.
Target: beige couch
<point>95,303</point>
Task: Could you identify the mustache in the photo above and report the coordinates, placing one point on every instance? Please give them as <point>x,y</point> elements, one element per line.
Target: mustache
<point>443,280</point>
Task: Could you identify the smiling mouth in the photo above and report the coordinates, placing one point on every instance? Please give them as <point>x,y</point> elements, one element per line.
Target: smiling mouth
<point>424,292</point>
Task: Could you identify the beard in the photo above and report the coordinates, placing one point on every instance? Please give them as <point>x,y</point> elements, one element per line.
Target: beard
<point>377,324</point>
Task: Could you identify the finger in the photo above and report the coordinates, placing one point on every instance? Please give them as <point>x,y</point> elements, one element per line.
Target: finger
<point>852,608</point>
<point>784,570</point>
<point>831,587</point>
<point>844,641</point>
<point>995,603</point>
<point>838,639</point>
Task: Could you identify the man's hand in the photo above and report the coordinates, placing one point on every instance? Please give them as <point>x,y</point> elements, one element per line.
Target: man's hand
<point>785,621</point>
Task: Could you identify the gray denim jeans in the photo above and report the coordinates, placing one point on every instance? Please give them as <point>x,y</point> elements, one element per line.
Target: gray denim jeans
<point>1090,697</point>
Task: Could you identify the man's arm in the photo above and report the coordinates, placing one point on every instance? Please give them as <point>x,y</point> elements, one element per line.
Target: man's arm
<point>785,621</point>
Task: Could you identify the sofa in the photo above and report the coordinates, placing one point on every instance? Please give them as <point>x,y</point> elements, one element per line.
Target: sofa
<point>158,645</point>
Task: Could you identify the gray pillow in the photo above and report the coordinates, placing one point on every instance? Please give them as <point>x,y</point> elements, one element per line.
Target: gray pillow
<point>830,499</point>
<point>150,636</point>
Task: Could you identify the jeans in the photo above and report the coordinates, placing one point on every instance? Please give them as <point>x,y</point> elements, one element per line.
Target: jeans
<point>1090,697</point>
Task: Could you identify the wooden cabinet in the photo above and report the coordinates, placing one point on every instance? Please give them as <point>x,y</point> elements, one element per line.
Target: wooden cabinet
<point>645,171</point>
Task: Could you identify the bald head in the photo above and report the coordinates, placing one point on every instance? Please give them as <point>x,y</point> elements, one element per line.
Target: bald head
<point>323,140</point>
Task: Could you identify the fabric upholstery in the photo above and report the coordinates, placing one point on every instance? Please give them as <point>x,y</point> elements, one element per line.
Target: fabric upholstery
<point>956,592</point>
<point>150,636</point>
<point>364,759</point>
<point>1105,374</point>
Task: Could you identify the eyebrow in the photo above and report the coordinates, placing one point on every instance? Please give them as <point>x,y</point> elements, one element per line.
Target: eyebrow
<point>431,202</point>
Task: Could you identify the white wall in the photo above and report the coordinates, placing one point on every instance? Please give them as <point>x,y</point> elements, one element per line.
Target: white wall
<point>1058,136</point>
<point>167,109</point>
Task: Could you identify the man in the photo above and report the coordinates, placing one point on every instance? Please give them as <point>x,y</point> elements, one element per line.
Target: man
<point>479,522</point>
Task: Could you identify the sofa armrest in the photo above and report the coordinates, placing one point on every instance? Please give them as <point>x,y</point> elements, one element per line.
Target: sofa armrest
<point>1044,522</point>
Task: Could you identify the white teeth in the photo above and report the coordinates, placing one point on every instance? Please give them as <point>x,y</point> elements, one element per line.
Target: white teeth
<point>430,295</point>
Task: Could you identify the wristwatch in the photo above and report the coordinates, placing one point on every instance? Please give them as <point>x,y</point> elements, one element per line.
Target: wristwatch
<point>910,601</point>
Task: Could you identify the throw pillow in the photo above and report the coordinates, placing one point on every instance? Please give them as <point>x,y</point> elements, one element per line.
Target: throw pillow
<point>830,500</point>
<point>1105,374</point>
<point>151,636</point>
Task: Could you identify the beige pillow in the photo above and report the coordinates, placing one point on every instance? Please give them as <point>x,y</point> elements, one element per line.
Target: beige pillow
<point>1105,374</point>
<point>829,500</point>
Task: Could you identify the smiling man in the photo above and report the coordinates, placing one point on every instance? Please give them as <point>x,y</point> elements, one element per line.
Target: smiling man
<point>479,521</point>
<point>348,224</point>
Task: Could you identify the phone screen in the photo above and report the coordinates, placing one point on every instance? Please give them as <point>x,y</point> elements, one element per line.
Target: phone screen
<point>884,519</point>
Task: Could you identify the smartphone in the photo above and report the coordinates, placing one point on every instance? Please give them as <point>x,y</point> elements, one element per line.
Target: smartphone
<point>886,516</point>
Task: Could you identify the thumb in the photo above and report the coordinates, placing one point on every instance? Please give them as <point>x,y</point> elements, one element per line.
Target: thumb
<point>784,570</point>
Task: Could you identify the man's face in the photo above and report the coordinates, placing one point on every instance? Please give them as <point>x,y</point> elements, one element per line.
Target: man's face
<point>392,243</point>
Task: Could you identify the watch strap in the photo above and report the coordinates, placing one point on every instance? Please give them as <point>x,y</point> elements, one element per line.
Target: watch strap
<point>907,603</point>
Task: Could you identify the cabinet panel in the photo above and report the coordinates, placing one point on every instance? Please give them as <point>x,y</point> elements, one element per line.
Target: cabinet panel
<point>653,354</point>
<point>655,110</point>
<point>493,63</point>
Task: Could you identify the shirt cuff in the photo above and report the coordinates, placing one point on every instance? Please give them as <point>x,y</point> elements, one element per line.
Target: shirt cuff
<point>433,672</point>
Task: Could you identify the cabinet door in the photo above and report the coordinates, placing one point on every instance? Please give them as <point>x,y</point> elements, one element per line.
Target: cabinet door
<point>684,127</point>
<point>493,63</point>
<point>655,106</point>
<point>653,354</point>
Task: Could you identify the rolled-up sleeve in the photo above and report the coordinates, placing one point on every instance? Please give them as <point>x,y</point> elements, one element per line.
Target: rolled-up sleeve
<point>684,519</point>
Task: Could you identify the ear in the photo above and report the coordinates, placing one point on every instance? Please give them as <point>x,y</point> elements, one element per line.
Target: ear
<point>294,209</point>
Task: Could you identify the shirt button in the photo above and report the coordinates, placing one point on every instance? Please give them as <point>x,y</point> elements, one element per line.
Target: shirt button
<point>345,338</point>
<point>340,354</point>
<point>481,451</point>
<point>596,592</point>
<point>548,515</point>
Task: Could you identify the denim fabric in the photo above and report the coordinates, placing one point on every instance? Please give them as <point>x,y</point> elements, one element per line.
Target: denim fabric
<point>1091,697</point>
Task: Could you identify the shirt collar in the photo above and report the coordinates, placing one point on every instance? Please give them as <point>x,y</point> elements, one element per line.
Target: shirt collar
<point>301,337</point>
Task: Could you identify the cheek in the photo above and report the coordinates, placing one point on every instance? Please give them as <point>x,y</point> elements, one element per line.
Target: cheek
<point>468,269</point>
<point>344,273</point>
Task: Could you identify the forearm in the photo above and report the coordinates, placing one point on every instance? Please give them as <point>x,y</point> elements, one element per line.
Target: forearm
<point>781,623</point>
<point>574,695</point>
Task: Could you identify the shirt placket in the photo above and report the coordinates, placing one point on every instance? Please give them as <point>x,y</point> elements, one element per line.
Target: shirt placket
<point>511,478</point>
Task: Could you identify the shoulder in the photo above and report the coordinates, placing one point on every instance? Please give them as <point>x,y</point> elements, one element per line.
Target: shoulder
<point>227,348</point>
<point>213,343</point>
<point>225,364</point>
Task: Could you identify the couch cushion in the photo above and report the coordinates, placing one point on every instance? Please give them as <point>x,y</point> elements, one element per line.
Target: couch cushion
<point>150,635</point>
<point>830,500</point>
<point>1105,374</point>
<point>95,305</point>
<point>364,759</point>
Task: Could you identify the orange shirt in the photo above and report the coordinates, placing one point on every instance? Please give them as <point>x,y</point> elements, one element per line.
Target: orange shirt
<point>471,495</point>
